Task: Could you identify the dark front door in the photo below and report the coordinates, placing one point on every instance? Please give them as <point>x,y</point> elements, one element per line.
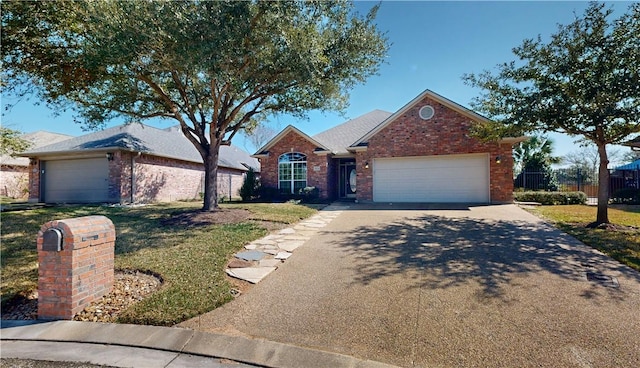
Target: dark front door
<point>347,180</point>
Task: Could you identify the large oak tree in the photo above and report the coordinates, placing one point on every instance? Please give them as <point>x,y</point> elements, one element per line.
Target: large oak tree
<point>216,67</point>
<point>584,82</point>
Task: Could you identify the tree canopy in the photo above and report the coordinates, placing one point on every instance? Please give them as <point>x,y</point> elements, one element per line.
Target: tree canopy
<point>11,141</point>
<point>216,67</point>
<point>584,82</point>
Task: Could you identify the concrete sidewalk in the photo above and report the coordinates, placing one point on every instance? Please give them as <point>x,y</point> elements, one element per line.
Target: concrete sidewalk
<point>122,345</point>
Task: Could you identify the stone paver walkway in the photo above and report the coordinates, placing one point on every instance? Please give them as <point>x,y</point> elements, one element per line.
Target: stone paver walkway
<point>264,255</point>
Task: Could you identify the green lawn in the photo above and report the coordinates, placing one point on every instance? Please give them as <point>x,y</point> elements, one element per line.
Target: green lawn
<point>623,245</point>
<point>191,260</point>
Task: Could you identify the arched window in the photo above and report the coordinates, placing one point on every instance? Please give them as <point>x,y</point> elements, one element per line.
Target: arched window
<point>292,172</point>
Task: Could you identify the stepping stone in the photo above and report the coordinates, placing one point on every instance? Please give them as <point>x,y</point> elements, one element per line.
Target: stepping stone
<point>283,255</point>
<point>295,238</point>
<point>264,242</point>
<point>271,237</point>
<point>290,246</point>
<point>273,252</point>
<point>252,255</point>
<point>239,263</point>
<point>287,231</point>
<point>270,263</point>
<point>251,246</point>
<point>251,274</point>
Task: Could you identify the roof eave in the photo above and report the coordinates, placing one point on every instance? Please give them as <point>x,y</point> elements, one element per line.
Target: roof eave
<point>284,132</point>
<point>513,140</point>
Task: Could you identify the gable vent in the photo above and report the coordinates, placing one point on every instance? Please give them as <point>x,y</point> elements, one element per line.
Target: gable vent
<point>426,112</point>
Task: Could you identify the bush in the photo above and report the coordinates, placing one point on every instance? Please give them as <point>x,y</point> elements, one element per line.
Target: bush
<point>551,198</point>
<point>626,196</point>
<point>250,187</point>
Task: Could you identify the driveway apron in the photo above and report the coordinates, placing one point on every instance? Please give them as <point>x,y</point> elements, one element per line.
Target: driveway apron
<point>485,286</point>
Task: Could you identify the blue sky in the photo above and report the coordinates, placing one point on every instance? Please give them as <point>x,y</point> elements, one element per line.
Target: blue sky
<point>433,45</point>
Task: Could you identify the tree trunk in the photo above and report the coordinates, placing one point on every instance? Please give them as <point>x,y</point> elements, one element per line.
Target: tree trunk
<point>603,186</point>
<point>211,179</point>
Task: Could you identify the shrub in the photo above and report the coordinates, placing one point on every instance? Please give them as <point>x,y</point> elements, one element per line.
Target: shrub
<point>626,196</point>
<point>551,198</point>
<point>309,194</point>
<point>250,187</point>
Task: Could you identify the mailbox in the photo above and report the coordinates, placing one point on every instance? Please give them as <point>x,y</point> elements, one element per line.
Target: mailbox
<point>52,240</point>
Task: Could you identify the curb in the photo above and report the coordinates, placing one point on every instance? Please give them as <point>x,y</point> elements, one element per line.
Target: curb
<point>171,339</point>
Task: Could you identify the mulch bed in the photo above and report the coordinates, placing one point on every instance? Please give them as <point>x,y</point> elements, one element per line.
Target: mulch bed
<point>203,218</point>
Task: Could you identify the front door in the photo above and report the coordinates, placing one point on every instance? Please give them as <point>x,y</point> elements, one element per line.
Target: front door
<point>347,180</point>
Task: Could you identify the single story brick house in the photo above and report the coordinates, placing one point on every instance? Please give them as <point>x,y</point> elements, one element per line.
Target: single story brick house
<point>14,171</point>
<point>420,153</point>
<point>131,163</point>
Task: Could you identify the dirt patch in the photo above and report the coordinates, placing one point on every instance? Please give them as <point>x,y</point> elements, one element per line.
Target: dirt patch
<point>204,218</point>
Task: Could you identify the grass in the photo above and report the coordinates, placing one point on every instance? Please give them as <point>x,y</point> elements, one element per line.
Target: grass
<point>622,245</point>
<point>191,261</point>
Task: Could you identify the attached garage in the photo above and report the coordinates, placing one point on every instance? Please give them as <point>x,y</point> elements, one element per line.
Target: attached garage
<point>76,181</point>
<point>432,179</point>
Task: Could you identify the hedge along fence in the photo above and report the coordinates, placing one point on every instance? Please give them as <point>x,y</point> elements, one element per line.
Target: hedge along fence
<point>551,198</point>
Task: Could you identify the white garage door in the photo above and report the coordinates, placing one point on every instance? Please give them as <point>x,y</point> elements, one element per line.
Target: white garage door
<point>435,179</point>
<point>76,181</point>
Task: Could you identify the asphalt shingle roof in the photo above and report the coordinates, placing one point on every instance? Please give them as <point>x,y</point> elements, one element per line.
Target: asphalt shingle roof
<point>38,139</point>
<point>137,137</point>
<point>344,135</point>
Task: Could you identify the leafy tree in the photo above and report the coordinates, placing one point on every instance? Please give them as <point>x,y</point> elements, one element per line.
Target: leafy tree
<point>535,156</point>
<point>217,67</point>
<point>11,142</point>
<point>584,82</point>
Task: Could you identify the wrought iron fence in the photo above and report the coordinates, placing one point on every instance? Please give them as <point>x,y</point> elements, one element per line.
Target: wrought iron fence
<point>577,179</point>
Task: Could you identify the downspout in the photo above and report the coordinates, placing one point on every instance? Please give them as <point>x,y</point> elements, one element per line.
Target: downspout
<point>133,175</point>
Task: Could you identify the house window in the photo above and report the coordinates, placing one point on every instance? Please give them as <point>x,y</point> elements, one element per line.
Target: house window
<point>292,172</point>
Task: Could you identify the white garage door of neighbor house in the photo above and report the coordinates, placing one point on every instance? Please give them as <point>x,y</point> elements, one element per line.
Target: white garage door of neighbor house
<point>76,181</point>
<point>434,179</point>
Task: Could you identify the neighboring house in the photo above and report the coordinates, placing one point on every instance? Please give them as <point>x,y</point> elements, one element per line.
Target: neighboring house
<point>131,163</point>
<point>421,153</point>
<point>14,178</point>
<point>625,176</point>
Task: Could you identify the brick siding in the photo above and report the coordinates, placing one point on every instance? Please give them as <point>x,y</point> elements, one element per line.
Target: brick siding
<point>446,133</point>
<point>14,181</point>
<point>317,165</point>
<point>157,179</point>
<point>83,271</point>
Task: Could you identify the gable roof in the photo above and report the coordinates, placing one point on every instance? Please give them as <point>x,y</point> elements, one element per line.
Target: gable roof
<point>264,150</point>
<point>38,139</point>
<point>137,137</point>
<point>427,93</point>
<point>342,136</point>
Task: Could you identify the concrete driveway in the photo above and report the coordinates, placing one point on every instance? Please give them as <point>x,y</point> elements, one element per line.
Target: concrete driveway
<point>486,286</point>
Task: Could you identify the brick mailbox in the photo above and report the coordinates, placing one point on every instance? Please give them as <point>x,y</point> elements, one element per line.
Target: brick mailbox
<point>75,259</point>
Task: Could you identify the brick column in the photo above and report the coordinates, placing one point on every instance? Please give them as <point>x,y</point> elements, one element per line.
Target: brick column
<point>81,271</point>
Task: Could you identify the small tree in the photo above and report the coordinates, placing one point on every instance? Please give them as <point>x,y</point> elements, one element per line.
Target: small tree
<point>584,82</point>
<point>250,186</point>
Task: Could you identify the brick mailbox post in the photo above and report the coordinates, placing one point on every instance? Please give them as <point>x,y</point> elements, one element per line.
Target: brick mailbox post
<point>75,259</point>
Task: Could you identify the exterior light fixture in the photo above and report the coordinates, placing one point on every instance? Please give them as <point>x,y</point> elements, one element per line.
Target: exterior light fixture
<point>366,165</point>
<point>33,161</point>
<point>110,156</point>
<point>498,159</point>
